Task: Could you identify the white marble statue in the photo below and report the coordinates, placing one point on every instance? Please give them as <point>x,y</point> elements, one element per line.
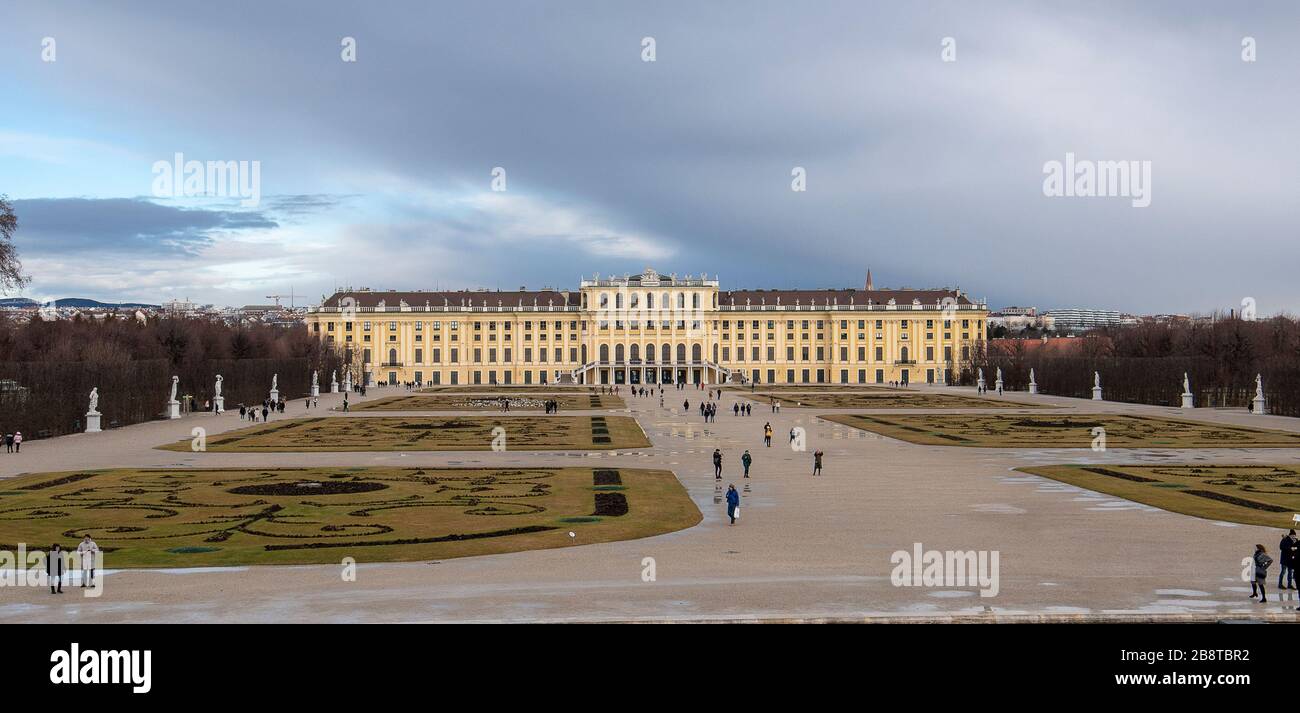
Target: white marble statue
<point>1259,386</point>
<point>1096,379</point>
<point>275,381</point>
<point>1187,385</point>
<point>999,373</point>
<point>314,380</point>
<point>981,371</point>
<point>176,380</point>
<point>334,376</point>
<point>217,388</point>
<point>1031,376</point>
<point>94,400</point>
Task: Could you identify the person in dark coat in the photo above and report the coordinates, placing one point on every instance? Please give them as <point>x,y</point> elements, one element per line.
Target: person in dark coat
<point>54,568</point>
<point>1286,561</point>
<point>717,464</point>
<point>1261,561</point>
<point>733,502</point>
<point>746,460</point>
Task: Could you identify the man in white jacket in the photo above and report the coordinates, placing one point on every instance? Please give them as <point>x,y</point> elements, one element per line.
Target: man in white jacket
<point>86,552</point>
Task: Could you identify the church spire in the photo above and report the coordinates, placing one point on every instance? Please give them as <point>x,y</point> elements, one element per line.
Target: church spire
<point>870,285</point>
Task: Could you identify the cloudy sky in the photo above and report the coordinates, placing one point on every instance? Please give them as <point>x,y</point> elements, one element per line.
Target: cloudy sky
<point>378,172</point>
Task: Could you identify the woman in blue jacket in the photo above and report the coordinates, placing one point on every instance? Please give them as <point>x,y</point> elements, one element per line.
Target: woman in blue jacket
<point>733,502</point>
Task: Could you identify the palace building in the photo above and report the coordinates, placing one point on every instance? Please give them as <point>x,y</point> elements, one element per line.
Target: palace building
<point>651,329</point>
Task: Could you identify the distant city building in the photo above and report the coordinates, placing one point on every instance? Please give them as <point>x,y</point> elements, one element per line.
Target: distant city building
<point>1016,319</point>
<point>1083,319</point>
<point>179,307</point>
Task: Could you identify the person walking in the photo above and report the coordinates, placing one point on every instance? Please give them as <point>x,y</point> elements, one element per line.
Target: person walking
<point>767,434</point>
<point>18,441</point>
<point>1286,560</point>
<point>86,552</point>
<point>1262,562</point>
<point>54,568</point>
<point>817,462</point>
<point>735,409</point>
<point>717,464</point>
<point>746,460</point>
<point>9,442</point>
<point>733,503</point>
<point>686,407</point>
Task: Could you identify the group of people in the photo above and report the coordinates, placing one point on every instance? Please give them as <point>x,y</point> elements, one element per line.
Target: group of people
<point>552,406</point>
<point>268,407</point>
<point>14,442</point>
<point>1289,557</point>
<point>709,411</point>
<point>54,570</point>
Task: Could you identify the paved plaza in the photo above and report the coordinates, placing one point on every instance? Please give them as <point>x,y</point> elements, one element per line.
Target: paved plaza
<point>805,547</point>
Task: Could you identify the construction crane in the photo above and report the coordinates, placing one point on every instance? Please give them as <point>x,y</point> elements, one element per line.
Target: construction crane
<point>277,298</point>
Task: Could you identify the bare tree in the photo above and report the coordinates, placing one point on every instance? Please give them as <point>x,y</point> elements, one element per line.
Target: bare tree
<point>11,269</point>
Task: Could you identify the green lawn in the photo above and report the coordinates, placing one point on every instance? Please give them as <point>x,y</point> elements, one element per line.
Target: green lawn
<point>1064,431</point>
<point>201,517</point>
<point>429,433</point>
<point>1265,495</point>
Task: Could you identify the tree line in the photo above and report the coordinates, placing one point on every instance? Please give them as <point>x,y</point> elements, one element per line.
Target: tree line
<point>48,368</point>
<point>1145,363</point>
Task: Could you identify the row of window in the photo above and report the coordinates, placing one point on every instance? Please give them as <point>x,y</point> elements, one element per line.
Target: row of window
<point>633,353</point>
<point>805,376</point>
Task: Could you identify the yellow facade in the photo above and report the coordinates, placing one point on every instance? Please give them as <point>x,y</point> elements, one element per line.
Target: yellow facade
<point>651,329</point>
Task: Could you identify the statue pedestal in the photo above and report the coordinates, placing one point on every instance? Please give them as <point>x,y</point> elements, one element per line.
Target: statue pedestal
<point>1257,406</point>
<point>979,385</point>
<point>173,409</point>
<point>997,386</point>
<point>275,395</point>
<point>370,380</point>
<point>1096,393</point>
<point>334,387</point>
<point>1187,401</point>
<point>1033,388</point>
<point>219,403</point>
<point>315,390</point>
<point>92,422</point>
